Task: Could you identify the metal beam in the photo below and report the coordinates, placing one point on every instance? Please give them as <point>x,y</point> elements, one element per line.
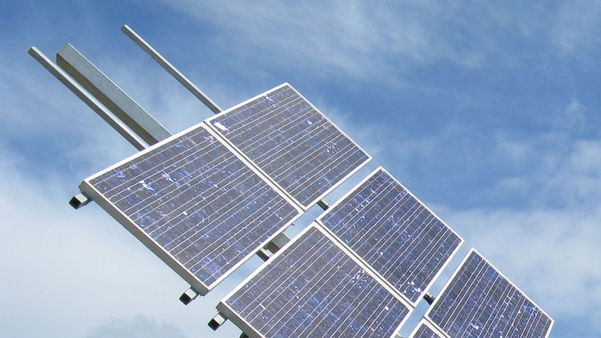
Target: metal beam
<point>80,92</point>
<point>170,68</point>
<point>110,95</point>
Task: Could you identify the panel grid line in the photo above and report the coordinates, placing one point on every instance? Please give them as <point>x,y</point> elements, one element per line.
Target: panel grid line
<point>196,204</point>
<point>220,213</point>
<point>388,228</point>
<point>312,288</point>
<point>175,193</point>
<point>308,261</point>
<point>323,273</point>
<point>291,142</point>
<point>478,300</point>
<point>149,159</point>
<point>387,208</point>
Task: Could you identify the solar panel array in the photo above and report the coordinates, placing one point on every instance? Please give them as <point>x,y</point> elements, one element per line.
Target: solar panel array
<point>313,288</point>
<point>393,232</point>
<point>207,199</point>
<point>193,202</point>
<point>292,143</point>
<point>479,301</point>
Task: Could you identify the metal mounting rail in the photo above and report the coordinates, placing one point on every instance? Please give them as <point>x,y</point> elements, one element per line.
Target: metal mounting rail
<point>88,99</point>
<point>110,95</point>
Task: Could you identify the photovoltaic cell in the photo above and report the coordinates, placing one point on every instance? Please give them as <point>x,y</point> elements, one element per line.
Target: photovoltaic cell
<point>423,330</point>
<point>285,136</point>
<point>480,302</point>
<point>393,232</point>
<point>194,203</point>
<point>313,288</point>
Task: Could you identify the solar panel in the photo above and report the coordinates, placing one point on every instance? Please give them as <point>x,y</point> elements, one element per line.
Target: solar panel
<point>293,143</point>
<point>425,330</point>
<point>393,232</point>
<point>194,203</point>
<point>479,301</point>
<point>314,288</point>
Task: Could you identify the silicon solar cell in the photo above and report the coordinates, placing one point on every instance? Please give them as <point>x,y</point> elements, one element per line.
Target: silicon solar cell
<point>424,330</point>
<point>293,143</point>
<point>194,203</point>
<point>393,232</point>
<point>313,288</point>
<point>479,301</point>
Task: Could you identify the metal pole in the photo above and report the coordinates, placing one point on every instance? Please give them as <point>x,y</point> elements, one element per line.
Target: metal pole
<point>110,95</point>
<point>170,69</point>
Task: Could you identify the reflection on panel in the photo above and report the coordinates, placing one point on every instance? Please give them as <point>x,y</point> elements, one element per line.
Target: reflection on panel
<point>392,231</point>
<point>313,288</point>
<point>292,142</point>
<point>194,203</point>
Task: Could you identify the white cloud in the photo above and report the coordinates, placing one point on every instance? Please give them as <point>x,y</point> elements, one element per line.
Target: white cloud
<point>576,26</point>
<point>353,39</point>
<point>547,246</point>
<point>547,240</point>
<point>547,253</point>
<point>572,119</point>
<point>553,177</point>
<point>138,326</point>
<point>79,272</point>
<point>384,40</point>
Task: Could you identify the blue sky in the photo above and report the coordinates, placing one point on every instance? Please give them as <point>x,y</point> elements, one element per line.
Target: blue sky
<point>488,112</point>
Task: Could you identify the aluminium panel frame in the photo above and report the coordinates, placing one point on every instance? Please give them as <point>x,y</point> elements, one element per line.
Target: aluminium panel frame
<point>398,292</point>
<point>430,326</point>
<point>256,97</point>
<point>199,286</point>
<point>249,330</point>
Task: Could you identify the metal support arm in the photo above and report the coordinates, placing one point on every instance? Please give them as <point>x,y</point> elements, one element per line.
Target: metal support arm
<point>170,68</point>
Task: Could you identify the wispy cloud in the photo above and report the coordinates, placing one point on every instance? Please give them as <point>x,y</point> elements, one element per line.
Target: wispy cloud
<point>532,201</point>
<point>49,142</point>
<point>383,41</point>
<point>575,28</point>
<point>361,40</point>
<point>572,119</point>
<point>547,244</point>
<point>139,326</point>
<point>548,253</point>
<point>79,272</point>
<point>496,166</point>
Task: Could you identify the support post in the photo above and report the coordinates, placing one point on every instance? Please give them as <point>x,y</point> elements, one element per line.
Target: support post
<point>188,296</point>
<point>323,205</point>
<point>277,243</point>
<point>111,96</point>
<point>88,99</point>
<point>170,68</point>
<point>429,298</point>
<point>79,201</point>
<point>217,321</point>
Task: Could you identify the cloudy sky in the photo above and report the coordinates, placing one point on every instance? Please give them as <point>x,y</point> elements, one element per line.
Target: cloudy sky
<point>488,112</point>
